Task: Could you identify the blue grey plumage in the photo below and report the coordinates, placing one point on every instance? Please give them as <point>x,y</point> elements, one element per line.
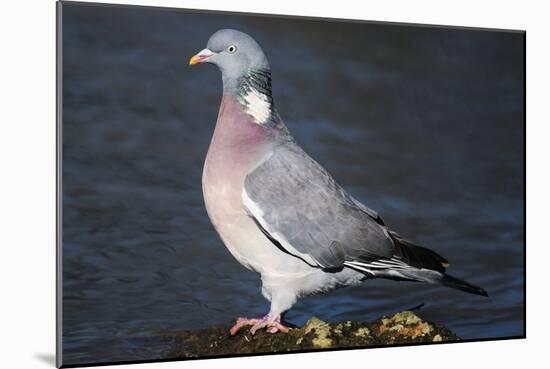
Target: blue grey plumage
<point>302,209</point>
<point>301,202</point>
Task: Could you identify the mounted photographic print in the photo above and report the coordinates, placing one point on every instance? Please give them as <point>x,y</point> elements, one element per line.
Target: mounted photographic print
<point>240,184</point>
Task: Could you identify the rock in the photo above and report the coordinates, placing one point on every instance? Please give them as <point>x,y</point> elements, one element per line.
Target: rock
<point>402,328</point>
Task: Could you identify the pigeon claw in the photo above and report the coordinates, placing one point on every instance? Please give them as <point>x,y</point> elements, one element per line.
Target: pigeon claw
<point>270,323</point>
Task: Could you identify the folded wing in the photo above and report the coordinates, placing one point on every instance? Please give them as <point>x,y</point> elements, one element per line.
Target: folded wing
<point>302,209</point>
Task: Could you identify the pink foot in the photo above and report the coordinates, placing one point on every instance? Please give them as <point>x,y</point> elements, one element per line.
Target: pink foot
<point>271,324</point>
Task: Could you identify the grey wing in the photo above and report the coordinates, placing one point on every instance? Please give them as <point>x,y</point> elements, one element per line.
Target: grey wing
<point>302,209</point>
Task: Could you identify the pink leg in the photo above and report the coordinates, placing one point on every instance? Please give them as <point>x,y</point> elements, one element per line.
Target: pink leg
<point>271,324</point>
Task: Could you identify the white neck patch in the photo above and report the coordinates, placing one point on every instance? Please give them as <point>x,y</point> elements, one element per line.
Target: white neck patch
<point>257,105</point>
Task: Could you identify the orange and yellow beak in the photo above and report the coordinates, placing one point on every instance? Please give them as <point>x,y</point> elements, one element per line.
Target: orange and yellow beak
<point>200,57</point>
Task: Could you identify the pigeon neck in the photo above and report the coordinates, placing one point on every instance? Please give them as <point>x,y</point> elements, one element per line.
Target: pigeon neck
<point>253,92</point>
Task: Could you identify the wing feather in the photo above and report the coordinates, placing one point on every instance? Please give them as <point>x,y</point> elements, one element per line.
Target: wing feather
<point>299,205</point>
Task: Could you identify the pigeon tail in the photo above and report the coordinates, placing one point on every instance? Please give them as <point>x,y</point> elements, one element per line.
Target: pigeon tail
<point>418,256</point>
<point>415,263</point>
<point>459,284</point>
<point>428,266</point>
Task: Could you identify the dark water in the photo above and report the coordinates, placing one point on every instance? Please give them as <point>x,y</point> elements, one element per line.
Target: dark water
<point>423,125</point>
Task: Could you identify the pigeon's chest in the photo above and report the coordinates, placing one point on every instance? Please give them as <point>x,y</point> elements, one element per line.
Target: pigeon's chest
<point>222,181</point>
<point>222,191</point>
<point>236,147</point>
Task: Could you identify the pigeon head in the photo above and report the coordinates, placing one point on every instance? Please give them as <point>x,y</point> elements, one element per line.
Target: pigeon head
<point>245,73</point>
<point>235,53</point>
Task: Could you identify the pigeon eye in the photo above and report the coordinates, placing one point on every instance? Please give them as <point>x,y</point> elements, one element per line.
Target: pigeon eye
<point>231,49</point>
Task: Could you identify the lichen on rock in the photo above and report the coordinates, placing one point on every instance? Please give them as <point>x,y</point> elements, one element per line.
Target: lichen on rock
<point>405,324</point>
<point>362,332</point>
<point>321,330</point>
<point>401,328</point>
